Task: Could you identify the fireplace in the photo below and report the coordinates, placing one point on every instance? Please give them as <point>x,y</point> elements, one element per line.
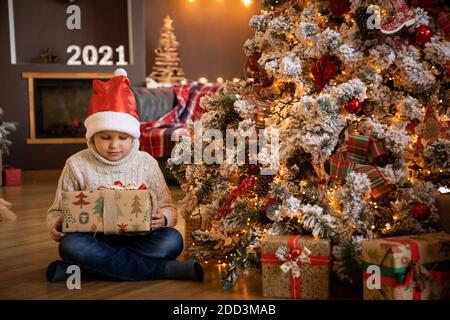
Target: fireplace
<point>58,106</point>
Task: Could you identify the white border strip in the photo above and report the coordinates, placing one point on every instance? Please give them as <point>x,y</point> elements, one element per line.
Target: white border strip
<point>12,37</point>
<point>130,33</point>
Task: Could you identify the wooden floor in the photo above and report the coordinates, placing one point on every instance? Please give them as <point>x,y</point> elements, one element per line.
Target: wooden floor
<point>26,250</point>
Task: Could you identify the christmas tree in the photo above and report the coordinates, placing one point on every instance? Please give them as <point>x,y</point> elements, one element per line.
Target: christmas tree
<point>167,68</point>
<point>358,92</point>
<point>136,206</point>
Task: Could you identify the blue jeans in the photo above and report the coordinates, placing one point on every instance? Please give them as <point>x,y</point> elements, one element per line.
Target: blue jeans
<point>121,257</point>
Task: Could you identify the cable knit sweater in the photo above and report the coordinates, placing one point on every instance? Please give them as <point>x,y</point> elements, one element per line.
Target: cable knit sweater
<point>87,170</point>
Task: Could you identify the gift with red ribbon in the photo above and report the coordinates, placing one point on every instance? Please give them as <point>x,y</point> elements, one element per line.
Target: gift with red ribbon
<point>296,267</point>
<point>361,156</point>
<point>411,267</point>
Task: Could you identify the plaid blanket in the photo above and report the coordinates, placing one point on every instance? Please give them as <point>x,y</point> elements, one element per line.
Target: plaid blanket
<point>156,136</point>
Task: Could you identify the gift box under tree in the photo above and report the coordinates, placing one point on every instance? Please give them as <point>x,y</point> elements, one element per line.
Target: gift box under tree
<point>108,211</point>
<point>415,267</point>
<point>295,267</point>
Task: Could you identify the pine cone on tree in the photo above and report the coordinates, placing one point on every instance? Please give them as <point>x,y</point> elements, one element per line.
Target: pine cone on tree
<point>361,17</point>
<point>303,161</point>
<point>263,185</point>
<point>230,118</point>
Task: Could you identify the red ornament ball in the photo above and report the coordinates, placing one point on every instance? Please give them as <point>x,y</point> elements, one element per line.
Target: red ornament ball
<point>288,256</point>
<point>295,253</point>
<point>422,35</point>
<point>420,211</point>
<point>353,106</point>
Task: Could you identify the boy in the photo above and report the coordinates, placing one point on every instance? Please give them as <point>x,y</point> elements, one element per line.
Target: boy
<point>113,130</point>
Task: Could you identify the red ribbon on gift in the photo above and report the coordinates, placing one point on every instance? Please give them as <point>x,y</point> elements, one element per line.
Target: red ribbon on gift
<point>437,10</point>
<point>316,261</point>
<point>436,276</point>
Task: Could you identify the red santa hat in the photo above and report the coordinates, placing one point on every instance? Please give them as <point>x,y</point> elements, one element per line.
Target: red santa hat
<point>112,107</point>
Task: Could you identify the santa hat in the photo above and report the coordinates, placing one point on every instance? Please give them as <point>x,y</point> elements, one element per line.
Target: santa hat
<point>112,107</point>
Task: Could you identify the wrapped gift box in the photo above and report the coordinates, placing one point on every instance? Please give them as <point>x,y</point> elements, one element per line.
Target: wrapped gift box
<point>12,177</point>
<point>108,211</point>
<point>415,267</point>
<point>295,267</point>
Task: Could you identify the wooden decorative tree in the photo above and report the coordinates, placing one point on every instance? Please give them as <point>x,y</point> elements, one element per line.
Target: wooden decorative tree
<point>167,68</point>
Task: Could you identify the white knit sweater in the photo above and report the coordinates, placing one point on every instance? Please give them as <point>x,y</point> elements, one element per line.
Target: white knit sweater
<point>87,170</point>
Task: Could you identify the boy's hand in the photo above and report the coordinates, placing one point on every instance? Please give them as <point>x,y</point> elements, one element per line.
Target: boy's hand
<point>56,233</point>
<point>158,220</point>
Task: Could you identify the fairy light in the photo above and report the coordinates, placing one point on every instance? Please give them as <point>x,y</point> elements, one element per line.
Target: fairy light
<point>203,80</point>
<point>247,3</point>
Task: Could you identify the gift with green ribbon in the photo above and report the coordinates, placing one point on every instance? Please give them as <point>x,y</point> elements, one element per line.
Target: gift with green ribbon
<point>361,156</point>
<point>411,267</point>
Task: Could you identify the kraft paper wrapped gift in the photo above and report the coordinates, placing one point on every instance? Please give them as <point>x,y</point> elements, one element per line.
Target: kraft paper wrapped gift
<point>415,267</point>
<point>108,211</point>
<point>296,267</point>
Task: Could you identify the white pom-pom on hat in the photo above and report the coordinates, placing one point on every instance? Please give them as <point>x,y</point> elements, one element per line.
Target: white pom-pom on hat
<point>120,72</point>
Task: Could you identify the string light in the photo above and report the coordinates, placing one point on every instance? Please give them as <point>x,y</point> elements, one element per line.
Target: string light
<point>203,80</point>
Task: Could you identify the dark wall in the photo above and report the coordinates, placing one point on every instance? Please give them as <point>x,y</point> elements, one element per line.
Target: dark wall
<point>36,32</point>
<point>211,34</point>
<point>37,26</point>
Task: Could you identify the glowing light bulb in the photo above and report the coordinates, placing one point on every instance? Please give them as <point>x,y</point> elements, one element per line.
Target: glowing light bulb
<point>246,2</point>
<point>203,80</point>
